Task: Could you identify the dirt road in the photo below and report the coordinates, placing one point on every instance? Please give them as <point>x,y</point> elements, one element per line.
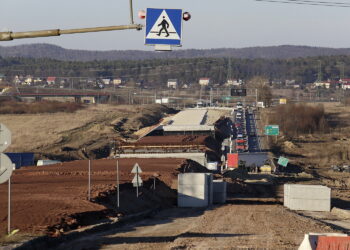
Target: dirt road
<point>219,227</point>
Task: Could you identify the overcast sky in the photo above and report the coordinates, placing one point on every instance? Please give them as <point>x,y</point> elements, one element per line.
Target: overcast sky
<point>214,24</point>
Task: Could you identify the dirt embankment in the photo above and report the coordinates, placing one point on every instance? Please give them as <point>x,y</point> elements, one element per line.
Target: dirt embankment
<point>53,199</point>
<point>87,133</point>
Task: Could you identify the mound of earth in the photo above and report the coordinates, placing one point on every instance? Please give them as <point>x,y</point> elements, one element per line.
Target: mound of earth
<point>54,199</point>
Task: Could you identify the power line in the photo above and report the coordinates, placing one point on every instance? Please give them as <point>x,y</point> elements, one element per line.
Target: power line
<point>309,2</point>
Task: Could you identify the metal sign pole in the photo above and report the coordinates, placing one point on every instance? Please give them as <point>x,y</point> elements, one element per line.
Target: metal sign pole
<point>131,13</point>
<point>9,208</point>
<point>137,182</point>
<point>89,181</point>
<point>117,183</point>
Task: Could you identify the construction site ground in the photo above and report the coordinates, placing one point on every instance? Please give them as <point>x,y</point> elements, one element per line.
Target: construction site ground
<point>231,226</point>
<point>253,218</point>
<point>54,199</point>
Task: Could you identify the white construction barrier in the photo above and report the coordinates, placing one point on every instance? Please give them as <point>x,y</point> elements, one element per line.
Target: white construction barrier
<point>311,239</point>
<point>307,197</point>
<point>195,190</point>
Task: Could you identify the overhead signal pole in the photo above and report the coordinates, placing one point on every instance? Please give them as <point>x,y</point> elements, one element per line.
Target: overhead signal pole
<point>9,35</point>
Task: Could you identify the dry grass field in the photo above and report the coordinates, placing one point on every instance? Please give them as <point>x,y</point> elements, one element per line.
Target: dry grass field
<point>315,153</point>
<point>65,135</point>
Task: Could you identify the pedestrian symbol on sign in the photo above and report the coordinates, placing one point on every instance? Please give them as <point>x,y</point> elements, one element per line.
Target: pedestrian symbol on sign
<point>165,27</point>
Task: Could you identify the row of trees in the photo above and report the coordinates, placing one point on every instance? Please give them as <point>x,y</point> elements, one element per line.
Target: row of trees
<point>303,70</point>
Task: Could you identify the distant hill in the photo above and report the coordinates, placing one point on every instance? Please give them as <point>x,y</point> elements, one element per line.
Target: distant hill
<point>272,52</point>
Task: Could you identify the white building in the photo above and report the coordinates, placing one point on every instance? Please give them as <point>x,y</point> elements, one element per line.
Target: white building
<point>234,82</point>
<point>204,81</point>
<point>28,80</point>
<point>172,83</point>
<point>345,85</point>
<point>106,81</point>
<point>117,81</point>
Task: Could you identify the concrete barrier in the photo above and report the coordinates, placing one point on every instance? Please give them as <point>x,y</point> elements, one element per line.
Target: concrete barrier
<point>219,191</point>
<point>307,197</point>
<point>195,190</point>
<point>310,240</point>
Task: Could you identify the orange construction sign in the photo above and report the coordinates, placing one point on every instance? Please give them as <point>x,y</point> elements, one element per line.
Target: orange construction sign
<point>232,160</point>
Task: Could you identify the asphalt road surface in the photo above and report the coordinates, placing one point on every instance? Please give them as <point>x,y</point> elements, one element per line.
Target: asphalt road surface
<point>253,138</point>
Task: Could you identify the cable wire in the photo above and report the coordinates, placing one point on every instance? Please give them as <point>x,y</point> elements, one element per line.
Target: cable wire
<point>309,2</point>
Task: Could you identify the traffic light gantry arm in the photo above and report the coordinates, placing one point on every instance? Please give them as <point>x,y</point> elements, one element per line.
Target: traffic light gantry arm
<point>8,36</point>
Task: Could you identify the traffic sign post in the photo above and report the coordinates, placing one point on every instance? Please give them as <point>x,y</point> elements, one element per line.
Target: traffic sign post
<point>272,130</point>
<point>136,181</point>
<point>238,92</point>
<point>283,161</point>
<point>89,180</point>
<point>5,137</point>
<point>118,183</point>
<point>6,167</point>
<point>163,28</point>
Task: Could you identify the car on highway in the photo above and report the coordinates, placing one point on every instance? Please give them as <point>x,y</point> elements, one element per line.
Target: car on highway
<point>241,146</point>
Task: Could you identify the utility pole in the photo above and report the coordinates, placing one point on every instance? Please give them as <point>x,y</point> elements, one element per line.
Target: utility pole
<point>341,66</point>
<point>229,69</point>
<point>211,96</point>
<point>319,75</point>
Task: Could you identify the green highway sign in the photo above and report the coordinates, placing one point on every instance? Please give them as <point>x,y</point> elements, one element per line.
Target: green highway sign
<point>283,161</point>
<point>227,98</point>
<point>272,130</point>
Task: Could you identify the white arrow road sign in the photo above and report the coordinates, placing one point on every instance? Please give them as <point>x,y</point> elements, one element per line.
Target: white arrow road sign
<point>5,137</point>
<point>137,181</point>
<point>136,169</point>
<point>6,168</point>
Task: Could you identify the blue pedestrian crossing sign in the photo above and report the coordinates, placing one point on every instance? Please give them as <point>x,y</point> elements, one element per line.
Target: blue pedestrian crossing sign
<point>163,26</point>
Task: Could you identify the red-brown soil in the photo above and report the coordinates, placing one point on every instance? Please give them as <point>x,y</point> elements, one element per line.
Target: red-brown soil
<point>46,196</point>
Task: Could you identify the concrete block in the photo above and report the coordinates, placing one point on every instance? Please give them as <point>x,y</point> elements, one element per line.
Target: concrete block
<point>187,201</point>
<point>197,191</point>
<point>309,192</point>
<point>192,179</point>
<point>342,213</point>
<point>307,197</point>
<point>219,192</point>
<point>219,186</point>
<point>210,187</point>
<point>310,205</point>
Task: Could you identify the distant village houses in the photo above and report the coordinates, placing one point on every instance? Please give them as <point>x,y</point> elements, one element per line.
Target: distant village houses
<point>204,81</point>
<point>345,83</point>
<point>172,83</point>
<point>234,82</point>
<point>51,80</point>
<point>117,81</point>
